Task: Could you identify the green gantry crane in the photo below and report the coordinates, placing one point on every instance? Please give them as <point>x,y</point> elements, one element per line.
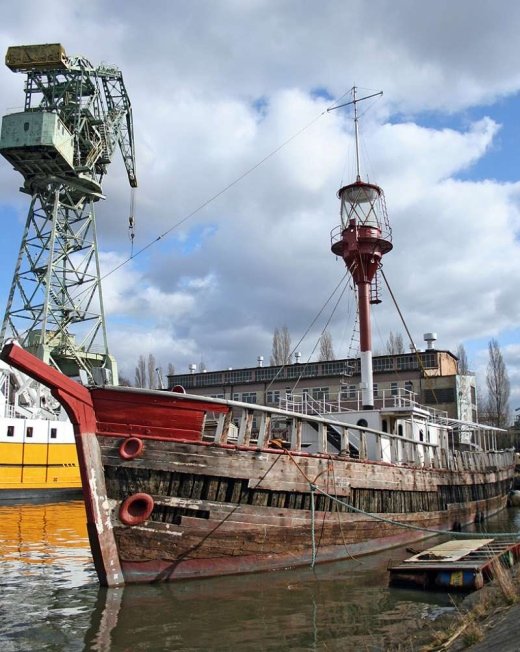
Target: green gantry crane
<point>75,117</point>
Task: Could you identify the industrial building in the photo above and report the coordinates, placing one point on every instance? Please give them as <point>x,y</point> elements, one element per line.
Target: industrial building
<point>430,377</point>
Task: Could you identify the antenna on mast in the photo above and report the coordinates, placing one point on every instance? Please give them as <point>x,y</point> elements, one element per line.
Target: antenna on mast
<point>355,101</point>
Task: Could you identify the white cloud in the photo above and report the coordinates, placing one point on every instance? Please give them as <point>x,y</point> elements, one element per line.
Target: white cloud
<point>217,87</point>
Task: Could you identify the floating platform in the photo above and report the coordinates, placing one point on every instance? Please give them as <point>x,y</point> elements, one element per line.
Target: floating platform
<point>460,564</point>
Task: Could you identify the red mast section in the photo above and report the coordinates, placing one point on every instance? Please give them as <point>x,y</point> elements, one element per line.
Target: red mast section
<point>362,239</point>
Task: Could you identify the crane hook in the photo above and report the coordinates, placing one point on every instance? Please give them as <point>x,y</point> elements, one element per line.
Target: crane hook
<point>131,222</point>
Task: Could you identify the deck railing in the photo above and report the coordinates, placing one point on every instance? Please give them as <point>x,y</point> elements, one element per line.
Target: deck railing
<point>386,399</point>
<point>252,425</point>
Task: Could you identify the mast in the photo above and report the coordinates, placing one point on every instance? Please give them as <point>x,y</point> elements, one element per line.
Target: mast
<point>362,239</point>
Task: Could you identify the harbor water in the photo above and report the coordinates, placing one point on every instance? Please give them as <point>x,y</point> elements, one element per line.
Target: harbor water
<point>51,599</point>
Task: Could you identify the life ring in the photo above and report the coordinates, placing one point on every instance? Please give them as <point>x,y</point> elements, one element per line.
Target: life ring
<point>136,509</point>
<point>179,389</point>
<point>131,447</point>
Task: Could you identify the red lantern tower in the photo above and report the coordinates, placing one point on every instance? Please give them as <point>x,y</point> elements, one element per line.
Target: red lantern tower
<point>362,239</point>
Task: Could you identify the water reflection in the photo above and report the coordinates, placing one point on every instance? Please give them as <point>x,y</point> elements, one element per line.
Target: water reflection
<point>43,534</point>
<point>345,606</point>
<point>51,599</point>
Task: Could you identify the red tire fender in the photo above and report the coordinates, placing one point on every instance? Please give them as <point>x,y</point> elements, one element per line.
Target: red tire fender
<point>131,447</point>
<point>136,509</point>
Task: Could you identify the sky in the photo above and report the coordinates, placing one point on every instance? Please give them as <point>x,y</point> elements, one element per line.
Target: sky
<point>239,161</point>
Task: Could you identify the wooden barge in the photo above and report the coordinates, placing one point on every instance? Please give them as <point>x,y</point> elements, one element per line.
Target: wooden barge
<point>462,565</point>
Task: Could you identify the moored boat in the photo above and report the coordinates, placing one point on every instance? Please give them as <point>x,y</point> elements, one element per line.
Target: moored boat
<point>38,459</point>
<point>179,486</point>
<point>169,494</point>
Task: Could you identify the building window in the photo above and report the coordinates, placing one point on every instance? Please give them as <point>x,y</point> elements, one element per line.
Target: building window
<point>440,395</point>
<point>236,397</point>
<point>210,379</point>
<point>249,397</point>
<point>54,433</point>
<point>273,396</point>
<point>393,389</point>
<point>29,431</point>
<point>216,395</point>
<point>10,431</point>
<point>383,364</point>
<point>429,360</point>
<point>349,391</point>
<point>408,362</point>
<point>185,380</point>
<point>408,386</point>
<point>376,390</point>
<point>239,376</point>
<point>343,367</point>
<point>268,373</point>
<point>302,371</point>
<point>319,393</point>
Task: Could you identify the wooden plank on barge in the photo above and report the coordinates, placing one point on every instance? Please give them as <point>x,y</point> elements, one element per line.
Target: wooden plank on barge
<point>450,550</point>
<point>447,566</point>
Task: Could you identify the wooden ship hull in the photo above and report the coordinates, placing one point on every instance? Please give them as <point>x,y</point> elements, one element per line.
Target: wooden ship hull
<point>170,494</point>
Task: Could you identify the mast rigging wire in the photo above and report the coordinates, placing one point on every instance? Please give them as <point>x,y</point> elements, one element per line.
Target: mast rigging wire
<point>282,367</point>
<point>219,193</point>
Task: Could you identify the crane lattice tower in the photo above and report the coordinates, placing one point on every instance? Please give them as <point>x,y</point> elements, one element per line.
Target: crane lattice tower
<point>74,118</point>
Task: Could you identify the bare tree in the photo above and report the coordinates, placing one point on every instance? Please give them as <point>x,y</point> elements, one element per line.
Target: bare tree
<point>152,375</point>
<point>394,343</point>
<point>281,353</point>
<point>140,372</point>
<point>462,364</point>
<point>497,380</point>
<point>326,347</point>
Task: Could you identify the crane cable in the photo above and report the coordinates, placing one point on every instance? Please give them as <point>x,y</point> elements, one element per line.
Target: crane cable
<point>131,222</point>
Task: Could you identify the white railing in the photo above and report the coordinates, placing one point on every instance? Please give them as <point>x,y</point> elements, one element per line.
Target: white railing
<point>387,399</point>
<point>259,425</point>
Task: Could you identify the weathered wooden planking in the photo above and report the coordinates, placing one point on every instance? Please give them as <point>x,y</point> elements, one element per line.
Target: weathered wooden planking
<point>228,538</point>
<point>185,458</point>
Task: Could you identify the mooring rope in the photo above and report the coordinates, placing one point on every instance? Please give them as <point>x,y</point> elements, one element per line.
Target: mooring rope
<point>478,535</point>
<point>314,488</point>
<point>313,561</point>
